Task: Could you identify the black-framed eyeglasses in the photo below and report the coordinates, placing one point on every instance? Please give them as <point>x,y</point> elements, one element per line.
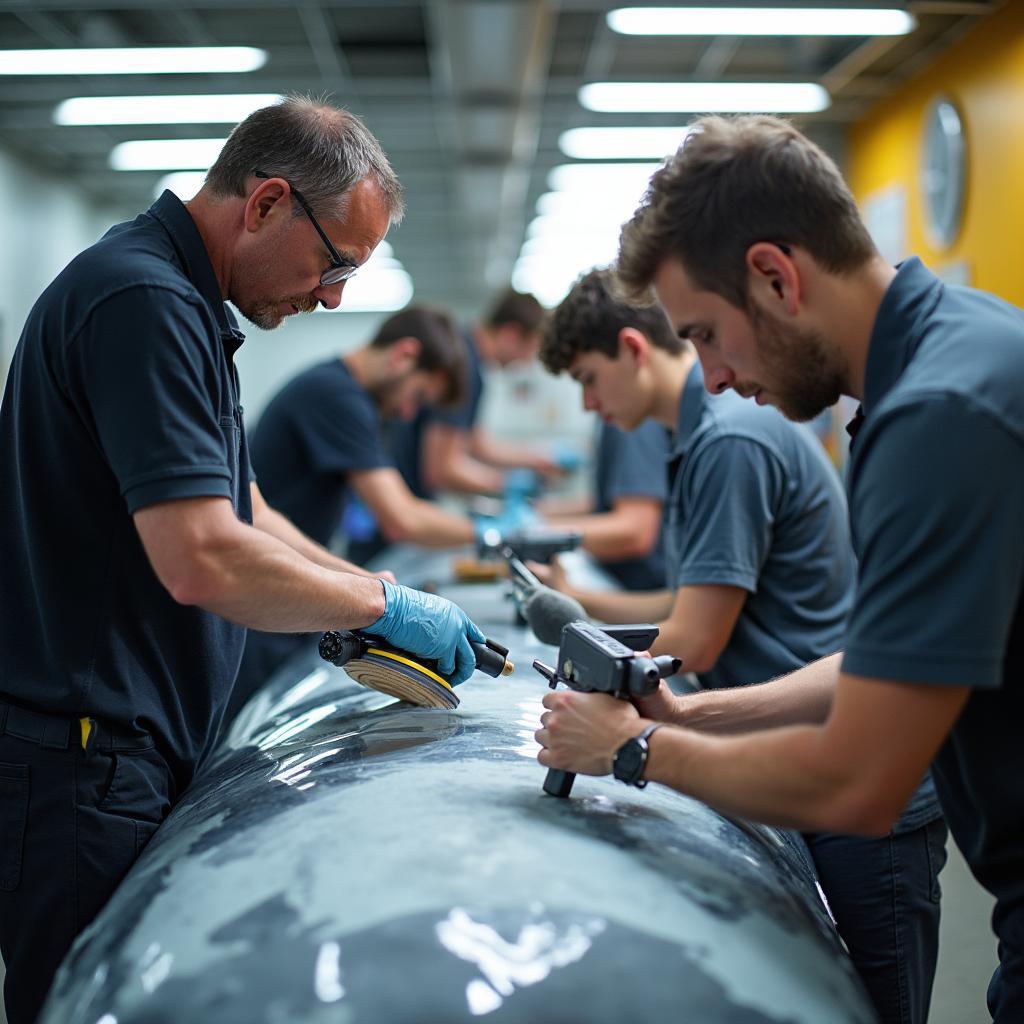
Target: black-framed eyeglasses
<point>340,269</point>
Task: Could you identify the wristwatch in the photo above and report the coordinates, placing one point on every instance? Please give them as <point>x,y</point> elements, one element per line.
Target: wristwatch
<point>631,758</point>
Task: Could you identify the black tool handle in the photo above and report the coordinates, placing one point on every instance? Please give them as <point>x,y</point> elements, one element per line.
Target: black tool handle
<point>491,657</point>
<point>558,783</point>
<point>340,646</point>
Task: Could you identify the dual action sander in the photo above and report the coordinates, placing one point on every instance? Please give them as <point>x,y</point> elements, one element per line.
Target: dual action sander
<point>382,667</point>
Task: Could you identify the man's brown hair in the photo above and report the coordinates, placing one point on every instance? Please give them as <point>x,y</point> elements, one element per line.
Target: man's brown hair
<point>590,318</point>
<point>442,349</point>
<point>732,183</point>
<point>519,308</point>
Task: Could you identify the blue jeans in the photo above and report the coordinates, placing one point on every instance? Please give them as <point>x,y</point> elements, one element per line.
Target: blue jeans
<point>884,894</point>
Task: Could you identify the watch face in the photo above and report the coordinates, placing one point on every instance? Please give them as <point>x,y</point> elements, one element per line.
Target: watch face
<point>944,171</point>
<point>629,761</point>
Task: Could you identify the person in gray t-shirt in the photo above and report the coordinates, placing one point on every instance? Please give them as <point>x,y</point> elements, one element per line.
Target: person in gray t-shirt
<point>761,577</point>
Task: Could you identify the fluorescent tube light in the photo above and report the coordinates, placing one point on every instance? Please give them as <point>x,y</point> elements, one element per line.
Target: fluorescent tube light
<point>760,21</point>
<point>617,143</point>
<point>184,184</point>
<point>601,176</point>
<point>704,97</point>
<point>195,109</point>
<point>594,205</point>
<point>166,154</point>
<point>135,60</point>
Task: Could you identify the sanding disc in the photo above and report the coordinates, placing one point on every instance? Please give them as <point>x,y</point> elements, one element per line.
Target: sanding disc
<point>403,678</point>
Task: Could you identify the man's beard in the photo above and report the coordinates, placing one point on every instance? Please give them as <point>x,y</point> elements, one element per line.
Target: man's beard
<point>266,313</point>
<point>804,373</point>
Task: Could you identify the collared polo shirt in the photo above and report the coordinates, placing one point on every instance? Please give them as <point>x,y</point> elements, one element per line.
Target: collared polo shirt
<point>317,430</point>
<point>122,394</point>
<point>631,464</point>
<point>755,504</point>
<point>936,485</point>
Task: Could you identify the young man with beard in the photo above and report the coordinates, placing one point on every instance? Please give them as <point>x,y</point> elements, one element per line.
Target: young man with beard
<point>135,547</point>
<point>756,251</point>
<point>319,441</point>
<point>760,576</point>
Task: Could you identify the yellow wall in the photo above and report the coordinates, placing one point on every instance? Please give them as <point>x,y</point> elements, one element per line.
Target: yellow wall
<point>984,75</point>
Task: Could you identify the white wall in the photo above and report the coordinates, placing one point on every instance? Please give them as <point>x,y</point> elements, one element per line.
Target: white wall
<point>44,222</point>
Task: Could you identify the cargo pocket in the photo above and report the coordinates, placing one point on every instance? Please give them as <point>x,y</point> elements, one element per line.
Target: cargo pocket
<point>14,787</point>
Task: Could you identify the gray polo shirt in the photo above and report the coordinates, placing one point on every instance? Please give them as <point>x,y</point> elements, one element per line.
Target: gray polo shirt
<point>631,464</point>
<point>936,486</point>
<point>755,503</point>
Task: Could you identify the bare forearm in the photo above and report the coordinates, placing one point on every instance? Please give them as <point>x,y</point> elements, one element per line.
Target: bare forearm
<point>802,697</point>
<point>277,525</point>
<point>468,475</point>
<point>505,454</point>
<point>427,524</point>
<point>782,777</point>
<point>624,606</point>
<point>606,536</point>
<point>260,581</point>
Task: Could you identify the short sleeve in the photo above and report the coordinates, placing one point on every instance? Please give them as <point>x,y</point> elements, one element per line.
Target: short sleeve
<point>731,490</point>
<point>144,373</point>
<point>937,507</point>
<point>638,466</point>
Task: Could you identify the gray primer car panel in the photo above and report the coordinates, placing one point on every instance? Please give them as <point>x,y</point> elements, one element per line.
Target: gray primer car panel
<point>348,858</point>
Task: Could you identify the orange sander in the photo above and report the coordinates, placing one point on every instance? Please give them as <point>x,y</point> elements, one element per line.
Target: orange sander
<point>399,674</point>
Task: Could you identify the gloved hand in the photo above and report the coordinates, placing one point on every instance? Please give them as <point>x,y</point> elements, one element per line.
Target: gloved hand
<point>429,626</point>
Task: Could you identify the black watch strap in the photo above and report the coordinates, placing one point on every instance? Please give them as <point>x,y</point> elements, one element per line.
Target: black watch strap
<point>631,758</point>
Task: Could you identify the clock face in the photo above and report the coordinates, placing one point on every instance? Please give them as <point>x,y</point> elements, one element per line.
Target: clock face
<point>944,171</point>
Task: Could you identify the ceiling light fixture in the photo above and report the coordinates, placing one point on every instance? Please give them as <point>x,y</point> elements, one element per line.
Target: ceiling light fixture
<point>166,154</point>
<point>193,109</point>
<point>760,21</point>
<point>133,60</point>
<point>619,143</point>
<point>601,177</point>
<point>705,97</point>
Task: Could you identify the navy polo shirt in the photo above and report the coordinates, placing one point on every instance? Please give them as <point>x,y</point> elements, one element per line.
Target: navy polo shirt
<point>320,427</point>
<point>122,394</point>
<point>405,439</point>
<point>936,485</point>
<point>631,464</point>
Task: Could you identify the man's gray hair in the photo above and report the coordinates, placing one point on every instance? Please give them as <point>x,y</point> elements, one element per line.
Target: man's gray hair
<point>321,150</point>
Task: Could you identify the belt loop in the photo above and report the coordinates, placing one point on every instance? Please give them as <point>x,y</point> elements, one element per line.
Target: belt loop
<point>56,734</point>
<point>4,708</point>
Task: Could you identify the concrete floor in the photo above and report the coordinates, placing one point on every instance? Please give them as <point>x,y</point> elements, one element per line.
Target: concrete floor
<point>967,953</point>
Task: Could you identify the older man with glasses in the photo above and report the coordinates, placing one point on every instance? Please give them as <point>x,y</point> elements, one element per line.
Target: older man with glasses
<point>135,544</point>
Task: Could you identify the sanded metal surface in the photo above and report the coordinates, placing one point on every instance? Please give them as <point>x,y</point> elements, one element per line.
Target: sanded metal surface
<point>346,857</point>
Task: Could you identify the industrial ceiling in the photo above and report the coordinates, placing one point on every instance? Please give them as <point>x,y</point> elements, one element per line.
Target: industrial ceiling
<point>469,97</point>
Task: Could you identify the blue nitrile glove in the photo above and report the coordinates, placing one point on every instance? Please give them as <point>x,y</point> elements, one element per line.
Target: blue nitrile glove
<point>431,627</point>
<point>520,484</point>
<point>567,459</point>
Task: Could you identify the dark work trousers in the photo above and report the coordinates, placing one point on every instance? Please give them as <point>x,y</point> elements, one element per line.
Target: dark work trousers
<point>73,819</point>
<point>884,894</point>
